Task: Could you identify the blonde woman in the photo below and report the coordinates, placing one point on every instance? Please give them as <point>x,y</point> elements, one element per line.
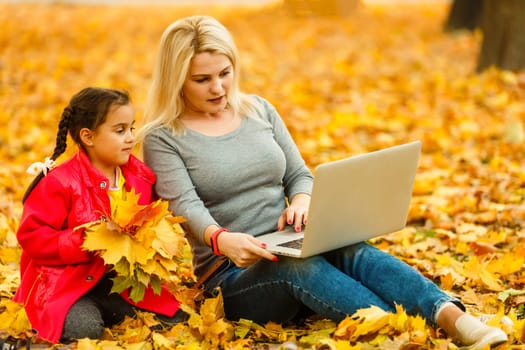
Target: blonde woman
<point>226,162</point>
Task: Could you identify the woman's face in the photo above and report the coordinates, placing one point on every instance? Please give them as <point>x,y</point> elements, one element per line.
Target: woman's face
<point>206,87</point>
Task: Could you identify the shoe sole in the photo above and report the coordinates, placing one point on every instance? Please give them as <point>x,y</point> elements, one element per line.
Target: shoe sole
<point>490,339</point>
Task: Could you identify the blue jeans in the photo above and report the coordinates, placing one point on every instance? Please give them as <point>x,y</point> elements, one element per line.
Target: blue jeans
<point>334,285</point>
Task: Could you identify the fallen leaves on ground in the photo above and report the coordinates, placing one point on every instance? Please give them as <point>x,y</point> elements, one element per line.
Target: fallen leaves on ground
<point>385,75</point>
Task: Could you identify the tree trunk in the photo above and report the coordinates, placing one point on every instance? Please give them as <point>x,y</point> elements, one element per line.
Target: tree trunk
<point>464,14</point>
<point>503,27</point>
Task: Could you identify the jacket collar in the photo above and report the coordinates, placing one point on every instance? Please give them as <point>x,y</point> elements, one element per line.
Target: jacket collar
<point>93,177</point>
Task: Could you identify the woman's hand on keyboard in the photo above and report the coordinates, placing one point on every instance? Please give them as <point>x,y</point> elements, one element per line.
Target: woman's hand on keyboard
<point>296,213</point>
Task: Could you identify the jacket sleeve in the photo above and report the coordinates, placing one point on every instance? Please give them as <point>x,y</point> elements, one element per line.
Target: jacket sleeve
<point>43,233</point>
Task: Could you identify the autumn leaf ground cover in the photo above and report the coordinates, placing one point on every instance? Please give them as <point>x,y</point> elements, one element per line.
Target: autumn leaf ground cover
<point>385,75</point>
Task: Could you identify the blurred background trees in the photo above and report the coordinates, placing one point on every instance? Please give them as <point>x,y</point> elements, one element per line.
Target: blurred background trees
<point>502,24</point>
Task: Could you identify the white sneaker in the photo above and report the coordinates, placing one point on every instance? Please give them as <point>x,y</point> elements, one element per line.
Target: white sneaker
<point>477,335</point>
<point>490,336</point>
<point>505,321</point>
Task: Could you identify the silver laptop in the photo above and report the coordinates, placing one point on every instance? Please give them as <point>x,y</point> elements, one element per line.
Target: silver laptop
<point>353,200</point>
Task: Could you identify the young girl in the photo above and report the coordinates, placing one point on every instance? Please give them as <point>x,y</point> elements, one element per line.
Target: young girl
<point>64,288</point>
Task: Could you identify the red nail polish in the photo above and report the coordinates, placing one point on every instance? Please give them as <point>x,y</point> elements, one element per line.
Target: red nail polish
<point>275,258</point>
<point>263,245</point>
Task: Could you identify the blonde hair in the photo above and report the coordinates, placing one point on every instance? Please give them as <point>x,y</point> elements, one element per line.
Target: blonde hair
<point>180,42</point>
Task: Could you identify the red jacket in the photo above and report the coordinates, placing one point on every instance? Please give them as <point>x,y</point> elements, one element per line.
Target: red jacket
<point>55,270</point>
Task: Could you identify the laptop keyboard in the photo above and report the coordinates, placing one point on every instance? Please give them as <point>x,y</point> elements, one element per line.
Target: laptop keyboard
<point>296,244</point>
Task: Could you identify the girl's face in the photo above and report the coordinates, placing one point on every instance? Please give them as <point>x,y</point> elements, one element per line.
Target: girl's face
<point>110,144</point>
<point>206,87</point>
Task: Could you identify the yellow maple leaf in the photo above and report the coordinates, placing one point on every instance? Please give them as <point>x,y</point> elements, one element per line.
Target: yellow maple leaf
<point>507,264</point>
<point>477,271</point>
<point>123,210</point>
<point>148,215</point>
<point>87,344</point>
<point>446,281</point>
<point>143,244</point>
<point>113,245</point>
<point>399,320</point>
<point>210,322</point>
<point>14,319</point>
<point>363,321</point>
<point>165,242</point>
<point>161,342</point>
<point>419,332</point>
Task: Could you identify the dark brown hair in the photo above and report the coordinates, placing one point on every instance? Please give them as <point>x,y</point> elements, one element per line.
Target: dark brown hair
<point>86,109</point>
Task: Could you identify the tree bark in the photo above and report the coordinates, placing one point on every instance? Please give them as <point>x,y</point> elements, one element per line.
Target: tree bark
<point>503,27</point>
<point>464,14</point>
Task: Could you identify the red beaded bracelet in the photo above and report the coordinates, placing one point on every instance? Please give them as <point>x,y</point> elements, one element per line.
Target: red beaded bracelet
<point>213,240</point>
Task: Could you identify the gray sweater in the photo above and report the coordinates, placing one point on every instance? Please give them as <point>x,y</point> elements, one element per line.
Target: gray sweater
<point>238,180</point>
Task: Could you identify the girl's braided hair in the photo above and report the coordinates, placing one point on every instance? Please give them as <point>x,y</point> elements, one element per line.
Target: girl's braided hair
<point>86,109</point>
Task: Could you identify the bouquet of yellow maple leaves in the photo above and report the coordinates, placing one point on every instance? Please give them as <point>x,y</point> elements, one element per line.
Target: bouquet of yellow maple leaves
<point>143,244</point>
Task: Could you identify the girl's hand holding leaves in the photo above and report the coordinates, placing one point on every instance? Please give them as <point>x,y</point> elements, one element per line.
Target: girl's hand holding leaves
<point>143,244</point>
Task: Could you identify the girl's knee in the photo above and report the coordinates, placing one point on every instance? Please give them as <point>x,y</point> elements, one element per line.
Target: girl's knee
<point>84,320</point>
<point>82,327</point>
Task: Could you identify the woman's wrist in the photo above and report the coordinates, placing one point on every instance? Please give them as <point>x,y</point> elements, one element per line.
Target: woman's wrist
<point>214,240</point>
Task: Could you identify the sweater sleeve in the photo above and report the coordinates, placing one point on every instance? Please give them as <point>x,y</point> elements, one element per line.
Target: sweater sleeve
<point>174,183</point>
